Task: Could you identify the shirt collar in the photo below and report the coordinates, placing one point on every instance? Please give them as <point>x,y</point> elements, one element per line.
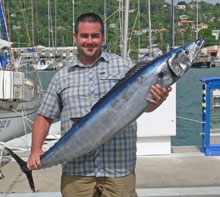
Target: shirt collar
<point>76,63</point>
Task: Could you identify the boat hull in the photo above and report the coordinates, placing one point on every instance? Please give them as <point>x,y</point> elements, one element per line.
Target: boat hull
<point>18,119</point>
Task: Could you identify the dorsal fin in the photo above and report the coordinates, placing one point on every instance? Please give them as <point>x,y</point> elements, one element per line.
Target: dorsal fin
<point>135,69</point>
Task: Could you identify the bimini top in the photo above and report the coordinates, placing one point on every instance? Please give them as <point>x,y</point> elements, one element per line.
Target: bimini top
<point>5,44</point>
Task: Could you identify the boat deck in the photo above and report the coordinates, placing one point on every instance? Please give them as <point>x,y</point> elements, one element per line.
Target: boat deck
<point>186,172</point>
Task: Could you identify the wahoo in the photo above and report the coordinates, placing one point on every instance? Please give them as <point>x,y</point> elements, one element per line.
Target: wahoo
<point>122,105</point>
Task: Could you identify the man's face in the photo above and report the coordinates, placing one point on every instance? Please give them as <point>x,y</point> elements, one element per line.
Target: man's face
<point>89,41</point>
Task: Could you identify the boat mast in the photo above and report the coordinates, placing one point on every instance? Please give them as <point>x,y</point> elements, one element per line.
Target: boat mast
<point>5,30</point>
<point>23,8</point>
<point>197,18</point>
<point>139,28</point>
<point>172,27</point>
<point>9,25</point>
<point>3,23</point>
<point>149,22</point>
<point>73,21</point>
<point>48,23</point>
<point>36,24</point>
<point>121,20</point>
<point>32,17</point>
<point>105,23</point>
<point>124,52</point>
<point>55,39</point>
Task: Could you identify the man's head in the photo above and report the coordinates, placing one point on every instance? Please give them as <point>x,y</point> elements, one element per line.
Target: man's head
<point>90,18</point>
<point>89,36</point>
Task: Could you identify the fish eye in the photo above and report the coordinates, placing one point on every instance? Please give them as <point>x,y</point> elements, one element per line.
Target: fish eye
<point>187,52</point>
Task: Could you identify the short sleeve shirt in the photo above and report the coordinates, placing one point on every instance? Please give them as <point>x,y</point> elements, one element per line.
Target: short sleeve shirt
<point>71,94</point>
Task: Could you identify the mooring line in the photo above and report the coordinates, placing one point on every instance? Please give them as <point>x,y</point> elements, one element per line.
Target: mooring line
<point>198,121</point>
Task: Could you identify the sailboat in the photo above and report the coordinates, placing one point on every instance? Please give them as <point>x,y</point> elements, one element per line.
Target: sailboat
<point>20,92</point>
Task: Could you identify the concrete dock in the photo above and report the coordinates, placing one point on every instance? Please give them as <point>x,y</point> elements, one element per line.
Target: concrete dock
<point>186,172</point>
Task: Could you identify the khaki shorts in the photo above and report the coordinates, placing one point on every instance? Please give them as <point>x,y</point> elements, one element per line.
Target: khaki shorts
<point>81,186</point>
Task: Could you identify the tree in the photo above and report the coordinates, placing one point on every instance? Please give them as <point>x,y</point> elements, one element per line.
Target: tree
<point>181,3</point>
<point>210,39</point>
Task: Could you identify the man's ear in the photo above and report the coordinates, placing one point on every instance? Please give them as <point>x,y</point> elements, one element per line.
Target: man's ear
<point>74,37</point>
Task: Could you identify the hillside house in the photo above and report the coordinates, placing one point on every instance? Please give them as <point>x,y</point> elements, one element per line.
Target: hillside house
<point>184,17</point>
<point>181,6</point>
<point>216,33</point>
<point>182,23</point>
<point>201,26</point>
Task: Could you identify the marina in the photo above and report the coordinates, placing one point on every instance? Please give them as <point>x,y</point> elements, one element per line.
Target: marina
<point>169,157</point>
<point>20,97</point>
<point>186,172</point>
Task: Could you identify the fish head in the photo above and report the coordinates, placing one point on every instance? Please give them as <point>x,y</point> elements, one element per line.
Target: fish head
<point>182,58</point>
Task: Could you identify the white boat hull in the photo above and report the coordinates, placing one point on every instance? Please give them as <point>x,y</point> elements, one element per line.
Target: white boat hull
<point>18,120</point>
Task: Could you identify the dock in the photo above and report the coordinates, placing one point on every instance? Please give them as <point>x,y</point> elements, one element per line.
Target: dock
<point>185,172</point>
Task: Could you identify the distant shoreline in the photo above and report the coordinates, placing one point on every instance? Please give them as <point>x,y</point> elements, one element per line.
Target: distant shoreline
<point>188,1</point>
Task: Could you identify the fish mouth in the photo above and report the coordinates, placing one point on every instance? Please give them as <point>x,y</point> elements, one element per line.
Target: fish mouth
<point>182,59</point>
<point>200,43</point>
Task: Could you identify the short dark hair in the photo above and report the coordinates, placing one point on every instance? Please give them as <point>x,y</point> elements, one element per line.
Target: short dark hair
<point>90,18</point>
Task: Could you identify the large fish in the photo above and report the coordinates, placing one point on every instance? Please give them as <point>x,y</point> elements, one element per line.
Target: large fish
<point>122,105</point>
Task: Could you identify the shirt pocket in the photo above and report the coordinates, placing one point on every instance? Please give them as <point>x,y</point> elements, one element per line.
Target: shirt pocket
<point>107,81</point>
<point>116,76</point>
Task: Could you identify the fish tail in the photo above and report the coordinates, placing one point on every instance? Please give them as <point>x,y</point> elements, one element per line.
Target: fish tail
<point>23,166</point>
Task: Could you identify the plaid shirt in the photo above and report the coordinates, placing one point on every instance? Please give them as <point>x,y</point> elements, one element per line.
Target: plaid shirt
<point>71,94</point>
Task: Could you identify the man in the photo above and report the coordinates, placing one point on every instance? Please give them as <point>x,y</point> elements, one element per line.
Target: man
<point>109,170</point>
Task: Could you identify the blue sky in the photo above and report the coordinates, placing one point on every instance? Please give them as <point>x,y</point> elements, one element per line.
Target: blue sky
<point>209,1</point>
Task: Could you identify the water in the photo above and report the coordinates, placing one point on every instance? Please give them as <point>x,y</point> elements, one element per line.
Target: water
<point>189,98</point>
<point>188,103</point>
<point>46,77</point>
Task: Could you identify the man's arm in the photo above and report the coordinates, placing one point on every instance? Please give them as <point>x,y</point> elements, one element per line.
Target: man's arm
<point>160,94</point>
<point>39,132</point>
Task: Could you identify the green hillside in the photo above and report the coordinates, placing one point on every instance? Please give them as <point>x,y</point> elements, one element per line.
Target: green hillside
<point>20,25</point>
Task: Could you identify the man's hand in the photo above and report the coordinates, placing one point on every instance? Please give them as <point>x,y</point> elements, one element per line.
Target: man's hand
<point>160,94</point>
<point>39,132</point>
<point>34,160</point>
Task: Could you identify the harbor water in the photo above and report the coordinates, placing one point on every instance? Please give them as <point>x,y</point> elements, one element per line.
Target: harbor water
<point>189,110</point>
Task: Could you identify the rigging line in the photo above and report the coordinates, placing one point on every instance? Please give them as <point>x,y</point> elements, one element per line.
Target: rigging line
<point>24,111</point>
<point>138,14</point>
<point>155,27</point>
<point>25,20</point>
<point>25,122</point>
<point>2,146</point>
<point>111,15</point>
<point>25,130</point>
<point>21,115</point>
<point>201,122</point>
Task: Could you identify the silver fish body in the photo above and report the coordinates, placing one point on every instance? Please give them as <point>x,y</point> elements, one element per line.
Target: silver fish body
<point>125,102</point>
